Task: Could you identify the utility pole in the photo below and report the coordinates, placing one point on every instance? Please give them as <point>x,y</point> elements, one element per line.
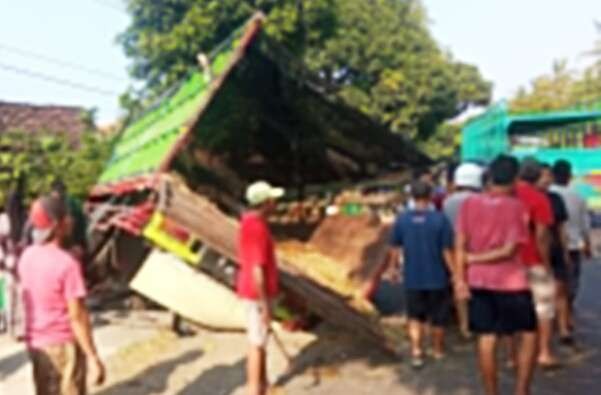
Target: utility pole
<point>298,133</point>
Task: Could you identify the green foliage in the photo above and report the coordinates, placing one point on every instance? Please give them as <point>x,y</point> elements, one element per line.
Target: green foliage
<point>548,92</point>
<point>378,55</point>
<point>562,88</point>
<point>385,62</point>
<point>444,143</point>
<point>166,35</point>
<point>42,159</point>
<point>88,117</point>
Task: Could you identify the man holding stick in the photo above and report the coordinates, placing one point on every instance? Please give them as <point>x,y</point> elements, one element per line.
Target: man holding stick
<point>257,281</point>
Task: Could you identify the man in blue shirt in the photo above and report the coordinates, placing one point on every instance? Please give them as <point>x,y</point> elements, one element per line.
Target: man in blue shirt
<point>426,239</point>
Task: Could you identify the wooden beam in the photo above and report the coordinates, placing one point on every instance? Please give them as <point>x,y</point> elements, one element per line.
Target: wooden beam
<point>220,233</point>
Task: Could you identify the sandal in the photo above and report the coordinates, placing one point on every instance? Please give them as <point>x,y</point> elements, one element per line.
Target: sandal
<point>567,341</point>
<point>550,366</point>
<point>438,357</point>
<point>417,362</point>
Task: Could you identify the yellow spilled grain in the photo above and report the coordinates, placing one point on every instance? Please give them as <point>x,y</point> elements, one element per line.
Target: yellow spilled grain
<point>325,271</point>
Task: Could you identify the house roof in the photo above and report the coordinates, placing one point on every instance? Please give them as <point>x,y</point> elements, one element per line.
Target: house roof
<point>41,118</point>
<point>260,114</point>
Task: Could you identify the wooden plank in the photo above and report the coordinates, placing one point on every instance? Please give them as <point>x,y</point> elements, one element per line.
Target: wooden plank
<point>219,232</point>
<point>357,243</point>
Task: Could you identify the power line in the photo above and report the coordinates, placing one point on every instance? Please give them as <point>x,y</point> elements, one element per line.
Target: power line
<point>57,80</point>
<point>59,62</point>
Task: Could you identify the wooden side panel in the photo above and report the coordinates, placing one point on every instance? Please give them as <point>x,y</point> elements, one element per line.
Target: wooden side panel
<point>357,243</point>
<point>219,232</point>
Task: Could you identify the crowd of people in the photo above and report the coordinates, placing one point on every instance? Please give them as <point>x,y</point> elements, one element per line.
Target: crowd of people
<point>503,247</point>
<point>507,244</point>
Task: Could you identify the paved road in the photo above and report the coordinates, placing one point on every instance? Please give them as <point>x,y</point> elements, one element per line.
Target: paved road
<point>114,332</point>
<point>458,374</point>
<point>333,363</point>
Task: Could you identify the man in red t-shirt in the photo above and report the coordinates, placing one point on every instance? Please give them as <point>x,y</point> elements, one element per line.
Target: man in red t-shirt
<point>535,256</point>
<point>490,231</point>
<point>257,282</point>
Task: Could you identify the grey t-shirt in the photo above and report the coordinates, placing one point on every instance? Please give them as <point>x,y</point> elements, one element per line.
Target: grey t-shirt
<point>453,203</point>
<point>578,225</point>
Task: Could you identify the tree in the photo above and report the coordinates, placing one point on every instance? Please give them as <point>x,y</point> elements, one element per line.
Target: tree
<point>378,55</point>
<point>166,35</point>
<point>444,143</point>
<point>384,61</point>
<point>563,88</point>
<point>548,92</point>
<point>44,158</point>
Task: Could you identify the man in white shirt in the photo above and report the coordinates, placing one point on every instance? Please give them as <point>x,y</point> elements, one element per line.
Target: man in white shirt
<point>578,225</point>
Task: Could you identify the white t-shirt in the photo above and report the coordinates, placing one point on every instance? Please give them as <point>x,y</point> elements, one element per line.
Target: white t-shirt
<point>4,225</point>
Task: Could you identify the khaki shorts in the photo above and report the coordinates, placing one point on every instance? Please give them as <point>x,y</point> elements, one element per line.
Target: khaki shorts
<point>542,285</point>
<point>59,370</point>
<point>257,331</point>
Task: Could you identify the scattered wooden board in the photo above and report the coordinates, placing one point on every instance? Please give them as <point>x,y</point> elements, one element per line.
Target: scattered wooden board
<point>219,232</point>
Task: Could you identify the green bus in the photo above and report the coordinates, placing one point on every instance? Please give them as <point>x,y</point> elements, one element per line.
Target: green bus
<point>572,135</point>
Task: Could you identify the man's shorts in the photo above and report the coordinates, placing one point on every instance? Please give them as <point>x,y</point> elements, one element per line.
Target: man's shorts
<point>256,329</point>
<point>542,285</point>
<point>574,274</point>
<point>59,370</point>
<point>431,306</point>
<point>559,266</point>
<point>501,313</point>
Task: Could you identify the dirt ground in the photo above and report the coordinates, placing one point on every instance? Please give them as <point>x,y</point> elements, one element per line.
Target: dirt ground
<point>331,362</point>
<point>144,358</point>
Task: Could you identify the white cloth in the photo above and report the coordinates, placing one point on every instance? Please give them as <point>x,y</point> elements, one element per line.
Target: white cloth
<point>4,225</point>
<point>579,222</point>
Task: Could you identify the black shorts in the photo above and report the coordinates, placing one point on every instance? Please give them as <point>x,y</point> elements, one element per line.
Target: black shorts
<point>431,306</point>
<point>558,265</point>
<point>501,313</point>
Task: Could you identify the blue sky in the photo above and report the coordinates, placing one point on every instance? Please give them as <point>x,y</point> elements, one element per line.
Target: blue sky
<point>74,31</point>
<point>512,41</point>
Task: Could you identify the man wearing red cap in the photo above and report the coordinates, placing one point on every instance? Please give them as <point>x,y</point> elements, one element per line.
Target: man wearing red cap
<point>57,325</point>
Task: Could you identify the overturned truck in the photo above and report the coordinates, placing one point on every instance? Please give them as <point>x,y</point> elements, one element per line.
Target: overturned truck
<point>164,212</point>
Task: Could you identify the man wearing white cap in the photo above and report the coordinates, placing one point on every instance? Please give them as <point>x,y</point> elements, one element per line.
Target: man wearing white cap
<point>257,282</point>
<point>468,181</point>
